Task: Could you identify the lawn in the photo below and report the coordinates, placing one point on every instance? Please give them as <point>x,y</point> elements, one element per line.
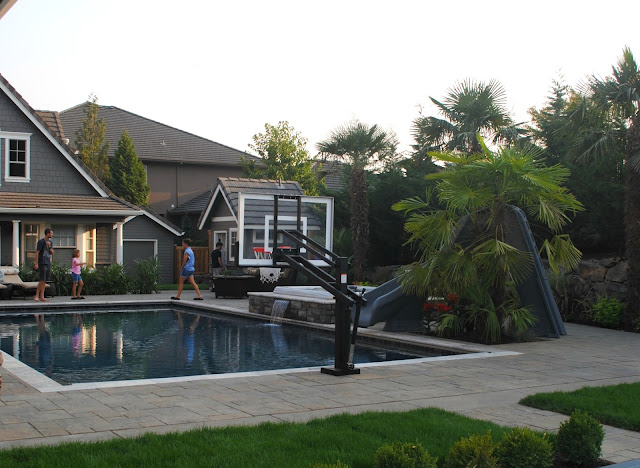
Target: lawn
<point>351,439</point>
<point>615,405</point>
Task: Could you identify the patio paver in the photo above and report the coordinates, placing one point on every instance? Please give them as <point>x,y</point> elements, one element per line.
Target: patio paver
<point>487,388</point>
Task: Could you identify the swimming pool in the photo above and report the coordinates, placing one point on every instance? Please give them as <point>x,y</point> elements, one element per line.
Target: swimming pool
<point>103,346</point>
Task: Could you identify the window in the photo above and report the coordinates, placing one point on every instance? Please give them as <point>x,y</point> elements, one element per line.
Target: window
<point>90,246</point>
<point>64,235</point>
<point>233,236</point>
<point>31,237</point>
<point>17,156</point>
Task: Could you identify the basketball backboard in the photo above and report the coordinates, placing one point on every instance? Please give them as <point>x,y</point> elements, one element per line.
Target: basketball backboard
<point>256,225</point>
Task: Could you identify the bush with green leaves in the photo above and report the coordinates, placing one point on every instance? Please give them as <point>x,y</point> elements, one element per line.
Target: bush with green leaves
<point>523,448</point>
<point>27,273</point>
<point>580,439</point>
<point>403,455</point>
<point>462,232</point>
<point>61,276</point>
<point>110,279</point>
<point>476,451</point>
<point>147,276</point>
<point>608,312</point>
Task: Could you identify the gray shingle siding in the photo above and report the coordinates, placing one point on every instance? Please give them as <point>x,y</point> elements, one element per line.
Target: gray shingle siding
<point>142,227</point>
<point>50,172</point>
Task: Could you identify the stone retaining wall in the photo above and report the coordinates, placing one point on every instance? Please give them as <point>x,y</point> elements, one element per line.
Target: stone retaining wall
<point>600,277</point>
<point>308,309</point>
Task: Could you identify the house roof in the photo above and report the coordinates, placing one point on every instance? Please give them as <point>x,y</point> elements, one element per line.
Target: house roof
<point>53,137</point>
<point>229,188</point>
<point>104,202</point>
<point>11,202</point>
<point>52,119</point>
<point>333,172</point>
<point>156,218</point>
<point>5,5</point>
<point>153,140</point>
<point>193,206</point>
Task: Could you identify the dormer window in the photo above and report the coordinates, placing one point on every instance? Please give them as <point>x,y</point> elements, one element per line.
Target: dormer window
<point>17,156</point>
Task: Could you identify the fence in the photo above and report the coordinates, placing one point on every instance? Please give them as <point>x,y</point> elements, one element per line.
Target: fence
<point>202,260</point>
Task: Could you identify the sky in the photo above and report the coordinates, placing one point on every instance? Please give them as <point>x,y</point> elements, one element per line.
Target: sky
<point>223,69</point>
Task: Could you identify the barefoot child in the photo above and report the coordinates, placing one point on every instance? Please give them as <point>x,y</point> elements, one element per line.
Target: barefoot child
<point>75,275</point>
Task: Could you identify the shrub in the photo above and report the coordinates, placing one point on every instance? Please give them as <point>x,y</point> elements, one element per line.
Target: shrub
<point>476,451</point>
<point>106,280</point>
<point>61,276</point>
<point>147,276</point>
<point>403,455</point>
<point>27,273</point>
<point>580,439</point>
<point>608,312</point>
<point>522,448</point>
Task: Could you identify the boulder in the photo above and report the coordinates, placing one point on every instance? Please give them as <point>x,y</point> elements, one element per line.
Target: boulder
<point>618,273</point>
<point>591,270</point>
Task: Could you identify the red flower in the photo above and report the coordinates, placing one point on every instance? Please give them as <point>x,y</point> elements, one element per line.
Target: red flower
<point>428,306</point>
<point>441,307</point>
<point>453,298</point>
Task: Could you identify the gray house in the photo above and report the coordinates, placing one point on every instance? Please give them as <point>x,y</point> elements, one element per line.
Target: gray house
<point>180,166</point>
<point>248,204</point>
<point>44,184</point>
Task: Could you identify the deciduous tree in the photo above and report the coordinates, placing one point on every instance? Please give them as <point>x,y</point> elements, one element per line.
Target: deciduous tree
<point>90,141</point>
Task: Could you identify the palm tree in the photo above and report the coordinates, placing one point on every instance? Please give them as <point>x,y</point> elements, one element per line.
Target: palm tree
<point>469,108</point>
<point>618,96</point>
<point>361,147</point>
<point>484,268</point>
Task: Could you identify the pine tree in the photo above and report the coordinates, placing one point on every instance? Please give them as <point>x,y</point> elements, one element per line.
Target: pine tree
<point>128,177</point>
<point>92,148</point>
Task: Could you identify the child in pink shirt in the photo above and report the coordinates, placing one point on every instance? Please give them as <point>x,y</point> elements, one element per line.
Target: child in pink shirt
<point>75,275</point>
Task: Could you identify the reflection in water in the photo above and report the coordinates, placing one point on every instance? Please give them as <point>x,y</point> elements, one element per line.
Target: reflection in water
<point>95,347</point>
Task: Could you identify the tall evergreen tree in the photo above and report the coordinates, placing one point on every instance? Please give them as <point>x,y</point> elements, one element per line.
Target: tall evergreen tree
<point>128,177</point>
<point>619,97</point>
<point>90,141</point>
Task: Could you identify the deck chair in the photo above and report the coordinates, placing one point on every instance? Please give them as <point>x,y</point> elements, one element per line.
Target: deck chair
<point>20,286</point>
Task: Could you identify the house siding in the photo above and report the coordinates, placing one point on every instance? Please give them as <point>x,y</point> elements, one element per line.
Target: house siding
<point>142,227</point>
<point>173,184</point>
<point>50,172</point>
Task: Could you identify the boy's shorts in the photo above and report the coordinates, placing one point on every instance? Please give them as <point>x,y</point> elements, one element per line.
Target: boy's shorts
<point>75,277</point>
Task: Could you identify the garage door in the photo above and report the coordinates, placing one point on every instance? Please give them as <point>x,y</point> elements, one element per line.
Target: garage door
<point>136,250</point>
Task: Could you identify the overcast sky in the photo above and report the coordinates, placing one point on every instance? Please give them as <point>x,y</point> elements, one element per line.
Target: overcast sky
<point>222,70</point>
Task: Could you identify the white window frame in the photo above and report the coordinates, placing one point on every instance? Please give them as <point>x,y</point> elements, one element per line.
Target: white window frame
<point>233,238</point>
<point>57,229</point>
<point>17,136</point>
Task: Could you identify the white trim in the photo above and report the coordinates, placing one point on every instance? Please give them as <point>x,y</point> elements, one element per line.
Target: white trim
<point>242,261</point>
<point>207,210</point>
<point>155,243</point>
<point>53,140</point>
<point>230,247</point>
<point>223,218</point>
<point>17,136</point>
<point>155,219</point>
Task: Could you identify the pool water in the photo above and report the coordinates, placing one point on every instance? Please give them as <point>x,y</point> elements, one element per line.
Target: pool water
<point>110,346</point>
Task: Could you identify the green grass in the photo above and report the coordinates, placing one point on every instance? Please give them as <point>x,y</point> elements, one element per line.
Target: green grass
<point>615,405</point>
<point>352,439</point>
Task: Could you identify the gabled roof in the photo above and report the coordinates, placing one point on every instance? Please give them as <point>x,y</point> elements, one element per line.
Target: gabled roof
<point>104,202</point>
<point>195,205</point>
<point>52,119</point>
<point>153,140</point>
<point>5,5</point>
<point>156,218</point>
<point>53,137</point>
<point>229,188</point>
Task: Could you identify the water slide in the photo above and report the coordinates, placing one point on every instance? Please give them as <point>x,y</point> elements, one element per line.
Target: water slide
<point>387,303</point>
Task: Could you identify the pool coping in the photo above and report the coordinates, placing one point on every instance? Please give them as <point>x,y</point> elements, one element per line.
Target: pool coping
<point>44,384</point>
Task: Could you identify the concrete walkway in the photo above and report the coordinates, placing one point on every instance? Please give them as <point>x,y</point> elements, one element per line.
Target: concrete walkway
<point>485,388</point>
